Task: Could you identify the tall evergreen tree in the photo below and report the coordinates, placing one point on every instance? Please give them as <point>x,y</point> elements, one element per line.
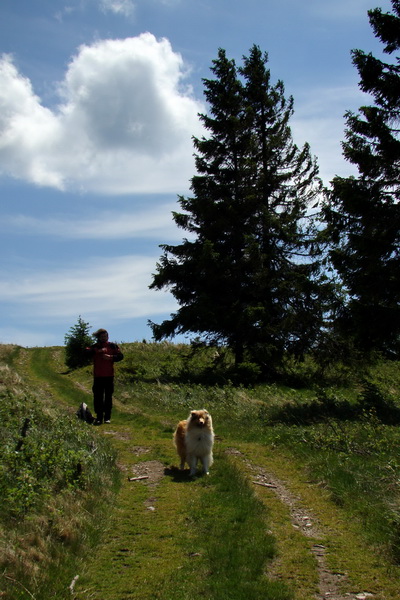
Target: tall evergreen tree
<point>363,214</point>
<point>246,279</point>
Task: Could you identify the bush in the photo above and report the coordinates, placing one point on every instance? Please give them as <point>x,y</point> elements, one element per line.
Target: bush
<point>76,340</point>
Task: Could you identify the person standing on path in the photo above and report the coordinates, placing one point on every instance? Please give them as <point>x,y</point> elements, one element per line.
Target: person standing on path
<point>104,355</point>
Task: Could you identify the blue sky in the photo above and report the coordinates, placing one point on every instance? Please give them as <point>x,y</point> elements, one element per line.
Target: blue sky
<point>99,100</point>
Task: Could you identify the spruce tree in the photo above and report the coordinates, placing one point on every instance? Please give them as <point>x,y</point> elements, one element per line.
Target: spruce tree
<point>76,340</point>
<point>245,277</point>
<point>363,214</point>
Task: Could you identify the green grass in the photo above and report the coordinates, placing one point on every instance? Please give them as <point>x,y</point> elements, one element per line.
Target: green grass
<point>230,534</point>
<point>335,434</point>
<point>56,479</point>
<point>361,464</point>
<point>189,545</point>
<point>342,436</point>
<point>337,447</point>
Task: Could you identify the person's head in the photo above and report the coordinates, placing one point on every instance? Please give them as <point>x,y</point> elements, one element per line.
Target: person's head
<point>101,335</point>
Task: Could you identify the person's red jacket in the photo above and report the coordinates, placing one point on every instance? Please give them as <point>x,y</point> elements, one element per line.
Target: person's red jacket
<point>103,365</point>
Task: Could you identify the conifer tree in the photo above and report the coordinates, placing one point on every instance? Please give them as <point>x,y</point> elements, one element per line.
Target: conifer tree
<point>76,340</point>
<point>363,214</point>
<point>245,277</point>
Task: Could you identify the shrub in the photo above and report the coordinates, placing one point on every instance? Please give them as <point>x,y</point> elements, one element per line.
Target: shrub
<point>76,340</point>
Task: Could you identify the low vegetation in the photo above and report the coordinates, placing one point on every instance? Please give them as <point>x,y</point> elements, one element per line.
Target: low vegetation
<point>346,435</point>
<point>55,478</point>
<point>334,440</point>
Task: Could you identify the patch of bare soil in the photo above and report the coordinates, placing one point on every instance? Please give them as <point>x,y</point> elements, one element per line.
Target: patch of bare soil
<point>304,520</point>
<point>139,450</point>
<point>83,388</point>
<point>152,470</point>
<point>125,436</point>
<point>148,473</point>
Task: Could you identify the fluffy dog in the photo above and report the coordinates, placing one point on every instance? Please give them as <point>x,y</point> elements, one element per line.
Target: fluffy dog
<point>194,440</point>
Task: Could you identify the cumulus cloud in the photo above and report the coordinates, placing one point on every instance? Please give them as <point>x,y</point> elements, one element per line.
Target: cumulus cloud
<point>28,130</point>
<point>124,123</point>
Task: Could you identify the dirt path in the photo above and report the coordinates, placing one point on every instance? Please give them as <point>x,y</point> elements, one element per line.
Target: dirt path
<point>330,583</point>
<point>142,468</point>
<point>303,520</point>
<point>149,473</point>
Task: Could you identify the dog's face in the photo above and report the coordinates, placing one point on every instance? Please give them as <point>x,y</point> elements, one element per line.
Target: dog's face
<point>199,418</point>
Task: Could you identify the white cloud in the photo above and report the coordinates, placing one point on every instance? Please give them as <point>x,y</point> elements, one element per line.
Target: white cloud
<point>28,131</point>
<point>124,126</point>
<point>100,287</point>
<point>108,225</point>
<point>119,7</point>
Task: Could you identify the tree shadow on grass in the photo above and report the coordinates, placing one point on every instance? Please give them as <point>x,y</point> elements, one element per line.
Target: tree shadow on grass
<point>371,401</point>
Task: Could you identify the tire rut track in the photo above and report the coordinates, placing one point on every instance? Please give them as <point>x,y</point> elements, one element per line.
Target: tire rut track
<point>302,519</point>
<point>330,582</point>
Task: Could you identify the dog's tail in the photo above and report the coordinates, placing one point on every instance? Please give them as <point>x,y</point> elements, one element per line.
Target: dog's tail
<point>179,434</point>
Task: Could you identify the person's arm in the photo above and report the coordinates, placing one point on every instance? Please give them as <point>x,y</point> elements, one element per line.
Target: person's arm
<point>117,354</point>
<point>89,351</point>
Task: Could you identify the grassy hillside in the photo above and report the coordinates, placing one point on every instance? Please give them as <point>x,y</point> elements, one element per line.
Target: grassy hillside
<point>56,476</point>
<point>302,500</point>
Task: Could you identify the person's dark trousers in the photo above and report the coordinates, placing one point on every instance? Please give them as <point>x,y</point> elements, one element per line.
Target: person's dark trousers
<point>103,389</point>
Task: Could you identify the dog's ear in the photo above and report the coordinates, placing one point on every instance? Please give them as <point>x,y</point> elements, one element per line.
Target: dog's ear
<point>193,412</point>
